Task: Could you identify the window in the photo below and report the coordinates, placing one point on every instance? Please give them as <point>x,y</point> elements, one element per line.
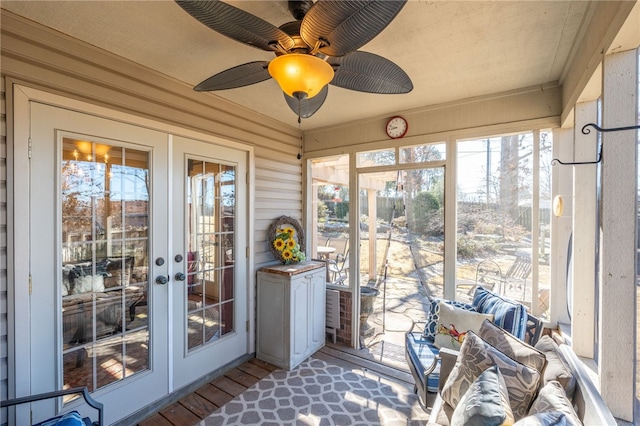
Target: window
<point>499,234</point>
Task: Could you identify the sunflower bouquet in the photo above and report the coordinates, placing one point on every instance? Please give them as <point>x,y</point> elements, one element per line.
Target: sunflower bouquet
<point>287,246</point>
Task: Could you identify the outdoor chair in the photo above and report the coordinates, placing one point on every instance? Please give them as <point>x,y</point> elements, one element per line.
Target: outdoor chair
<point>338,268</point>
<point>68,419</point>
<point>423,356</point>
<point>488,275</point>
<point>517,274</point>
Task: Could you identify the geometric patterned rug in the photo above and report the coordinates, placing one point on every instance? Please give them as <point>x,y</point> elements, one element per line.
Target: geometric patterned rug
<point>317,393</point>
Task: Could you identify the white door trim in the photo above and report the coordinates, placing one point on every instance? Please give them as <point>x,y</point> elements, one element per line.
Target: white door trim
<point>18,101</point>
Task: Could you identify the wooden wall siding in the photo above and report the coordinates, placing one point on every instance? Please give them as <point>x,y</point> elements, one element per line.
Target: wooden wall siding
<point>4,370</point>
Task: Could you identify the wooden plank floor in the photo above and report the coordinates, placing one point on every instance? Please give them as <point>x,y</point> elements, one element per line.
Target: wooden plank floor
<point>200,404</point>
<point>196,406</point>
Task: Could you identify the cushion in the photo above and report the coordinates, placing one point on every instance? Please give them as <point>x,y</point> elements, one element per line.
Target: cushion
<point>512,347</point>
<point>508,314</point>
<point>433,315</point>
<point>550,418</point>
<point>556,367</point>
<point>485,403</point>
<point>454,323</point>
<point>553,398</point>
<point>475,356</point>
<point>69,419</point>
<point>422,353</point>
<point>87,283</point>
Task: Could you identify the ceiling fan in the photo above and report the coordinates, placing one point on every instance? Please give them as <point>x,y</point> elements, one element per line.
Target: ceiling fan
<point>317,49</point>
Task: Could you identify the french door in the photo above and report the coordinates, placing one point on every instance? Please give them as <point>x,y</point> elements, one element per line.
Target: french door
<point>209,322</point>
<point>137,285</point>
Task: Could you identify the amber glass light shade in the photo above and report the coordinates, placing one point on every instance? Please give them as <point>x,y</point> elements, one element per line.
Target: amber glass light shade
<point>297,72</point>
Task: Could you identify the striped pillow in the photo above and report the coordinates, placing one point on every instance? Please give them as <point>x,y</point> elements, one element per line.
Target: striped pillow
<point>508,314</point>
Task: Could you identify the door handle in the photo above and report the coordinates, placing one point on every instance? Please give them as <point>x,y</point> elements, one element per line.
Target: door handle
<point>180,276</point>
<point>161,279</point>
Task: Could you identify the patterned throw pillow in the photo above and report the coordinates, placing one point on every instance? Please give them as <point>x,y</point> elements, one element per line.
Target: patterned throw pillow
<point>433,315</point>
<point>475,356</point>
<point>485,403</point>
<point>454,323</point>
<point>556,368</point>
<point>512,347</point>
<point>553,398</point>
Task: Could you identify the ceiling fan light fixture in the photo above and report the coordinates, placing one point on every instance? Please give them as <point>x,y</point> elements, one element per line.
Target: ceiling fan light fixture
<point>299,72</point>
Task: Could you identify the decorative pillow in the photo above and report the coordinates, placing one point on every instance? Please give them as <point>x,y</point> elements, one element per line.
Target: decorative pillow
<point>66,284</point>
<point>454,323</point>
<point>433,315</point>
<point>512,347</point>
<point>551,418</point>
<point>485,403</point>
<point>553,398</point>
<point>475,356</point>
<point>87,283</point>
<point>508,314</point>
<point>556,367</point>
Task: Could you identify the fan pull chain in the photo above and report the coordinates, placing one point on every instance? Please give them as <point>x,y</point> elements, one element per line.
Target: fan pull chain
<point>299,128</point>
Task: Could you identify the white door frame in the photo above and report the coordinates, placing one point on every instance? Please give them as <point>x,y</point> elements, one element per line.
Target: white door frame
<point>18,100</point>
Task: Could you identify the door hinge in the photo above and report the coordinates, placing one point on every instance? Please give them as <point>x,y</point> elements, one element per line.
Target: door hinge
<point>30,285</point>
<point>30,146</point>
<point>247,326</point>
<point>247,252</point>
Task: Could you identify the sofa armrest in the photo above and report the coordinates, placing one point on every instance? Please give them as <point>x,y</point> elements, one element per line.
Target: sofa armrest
<point>587,401</point>
<point>448,359</point>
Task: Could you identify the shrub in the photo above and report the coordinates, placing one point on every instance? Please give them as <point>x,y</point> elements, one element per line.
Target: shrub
<point>342,209</point>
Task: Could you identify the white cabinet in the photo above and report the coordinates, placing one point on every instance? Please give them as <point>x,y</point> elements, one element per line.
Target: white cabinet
<point>291,312</point>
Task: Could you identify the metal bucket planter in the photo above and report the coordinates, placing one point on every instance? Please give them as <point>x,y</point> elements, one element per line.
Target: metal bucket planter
<point>367,298</point>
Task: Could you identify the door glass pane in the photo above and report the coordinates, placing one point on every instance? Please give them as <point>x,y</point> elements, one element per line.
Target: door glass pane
<point>105,248</point>
<point>210,210</point>
<point>402,227</point>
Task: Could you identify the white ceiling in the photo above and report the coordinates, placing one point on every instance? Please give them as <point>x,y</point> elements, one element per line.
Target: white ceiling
<point>450,49</point>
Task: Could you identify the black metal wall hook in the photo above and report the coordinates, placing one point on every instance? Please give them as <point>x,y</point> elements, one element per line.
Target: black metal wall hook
<point>578,163</point>
<point>586,131</point>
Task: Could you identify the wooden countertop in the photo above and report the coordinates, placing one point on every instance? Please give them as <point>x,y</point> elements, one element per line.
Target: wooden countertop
<point>293,268</point>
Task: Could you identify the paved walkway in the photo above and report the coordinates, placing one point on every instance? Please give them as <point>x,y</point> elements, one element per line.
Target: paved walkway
<point>400,302</point>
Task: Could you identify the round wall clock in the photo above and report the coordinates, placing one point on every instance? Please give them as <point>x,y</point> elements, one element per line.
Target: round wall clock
<point>397,127</point>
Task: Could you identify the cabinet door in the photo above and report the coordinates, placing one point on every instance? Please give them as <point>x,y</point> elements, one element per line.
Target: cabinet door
<point>318,309</point>
<point>300,317</point>
<point>272,319</point>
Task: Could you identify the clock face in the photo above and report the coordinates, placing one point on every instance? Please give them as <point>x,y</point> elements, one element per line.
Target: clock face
<point>397,127</point>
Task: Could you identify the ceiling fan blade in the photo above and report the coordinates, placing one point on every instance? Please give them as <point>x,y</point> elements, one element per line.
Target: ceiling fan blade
<point>347,25</point>
<point>307,107</point>
<point>237,24</point>
<point>242,75</point>
<point>367,72</point>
